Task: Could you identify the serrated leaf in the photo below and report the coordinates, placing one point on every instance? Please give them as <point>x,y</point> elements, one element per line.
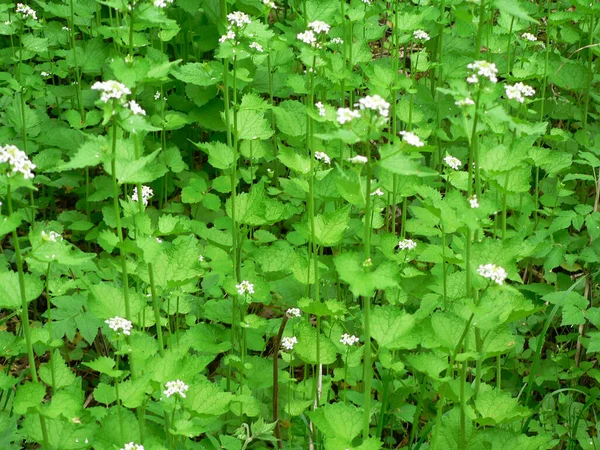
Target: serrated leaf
<point>362,280</point>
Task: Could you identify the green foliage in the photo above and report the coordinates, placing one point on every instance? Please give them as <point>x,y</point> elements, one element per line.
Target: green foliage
<point>201,249</point>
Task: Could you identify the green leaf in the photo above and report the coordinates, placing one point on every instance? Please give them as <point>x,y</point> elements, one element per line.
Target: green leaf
<point>338,420</point>
<point>205,398</point>
<point>330,227</point>
<point>220,156</point>
<point>306,348</point>
<point>10,295</point>
<point>362,280</point>
<point>200,74</point>
<point>63,376</point>
<point>29,397</point>
<point>495,407</point>
<point>105,365</point>
<point>290,117</point>
<point>253,125</point>
<point>194,191</point>
<point>389,326</point>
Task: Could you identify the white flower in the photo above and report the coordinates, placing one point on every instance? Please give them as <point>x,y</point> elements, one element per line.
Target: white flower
<point>147,192</point>
<point>378,192</point>
<point>44,74</point>
<point>26,11</point>
<point>157,95</point>
<point>412,139</point>
<point>465,101</point>
<point>119,324</point>
<point>346,115</point>
<point>358,159</point>
<point>111,89</point>
<point>337,40</point>
<point>321,109</point>
<point>519,91</point>
<point>17,160</point>
<point>135,108</point>
<point>175,387</point>
<point>407,244</point>
<point>529,37</point>
<point>245,286</point>
<point>256,46</point>
<point>308,37</point>
<point>51,236</point>
<point>201,258</point>
<point>238,18</point>
<point>133,446</point>
<point>293,312</point>
<point>472,79</point>
<point>492,272</point>
<point>421,35</point>
<point>453,162</point>
<point>289,342</point>
<point>483,69</point>
<point>319,27</point>
<point>270,4</point>
<point>367,2</point>
<point>348,339</point>
<point>65,29</point>
<point>159,240</point>
<point>375,103</point>
<point>322,156</point>
<point>229,36</point>
<point>474,202</point>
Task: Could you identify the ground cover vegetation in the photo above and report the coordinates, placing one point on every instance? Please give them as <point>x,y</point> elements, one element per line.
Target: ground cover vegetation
<point>304,224</point>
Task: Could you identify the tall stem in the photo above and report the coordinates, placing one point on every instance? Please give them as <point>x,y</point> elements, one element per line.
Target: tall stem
<point>25,310</point>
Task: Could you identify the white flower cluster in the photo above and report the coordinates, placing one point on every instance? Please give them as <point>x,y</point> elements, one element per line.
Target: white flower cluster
<point>293,312</point>
<point>321,109</point>
<point>147,192</point>
<point>133,446</point>
<point>270,4</point>
<point>162,3</point>
<point>337,40</point>
<point>229,36</point>
<point>111,89</point>
<point>348,339</point>
<point>119,324</point>
<point>529,37</point>
<point>378,192</point>
<point>175,387</point>
<point>374,103</point>
<point>465,102</point>
<point>474,202</point>
<point>519,91</point>
<point>407,244</point>
<point>453,162</point>
<point>135,108</point>
<point>245,286</point>
<point>51,236</point>
<point>308,37</point>
<point>45,74</point>
<point>346,115</point>
<point>17,160</point>
<point>482,69</point>
<point>289,342</point>
<point>319,27</point>
<point>412,139</point>
<point>421,35</point>
<point>256,46</point>
<point>358,159</point>
<point>492,272</point>
<point>238,19</point>
<point>26,11</point>
<point>322,156</point>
